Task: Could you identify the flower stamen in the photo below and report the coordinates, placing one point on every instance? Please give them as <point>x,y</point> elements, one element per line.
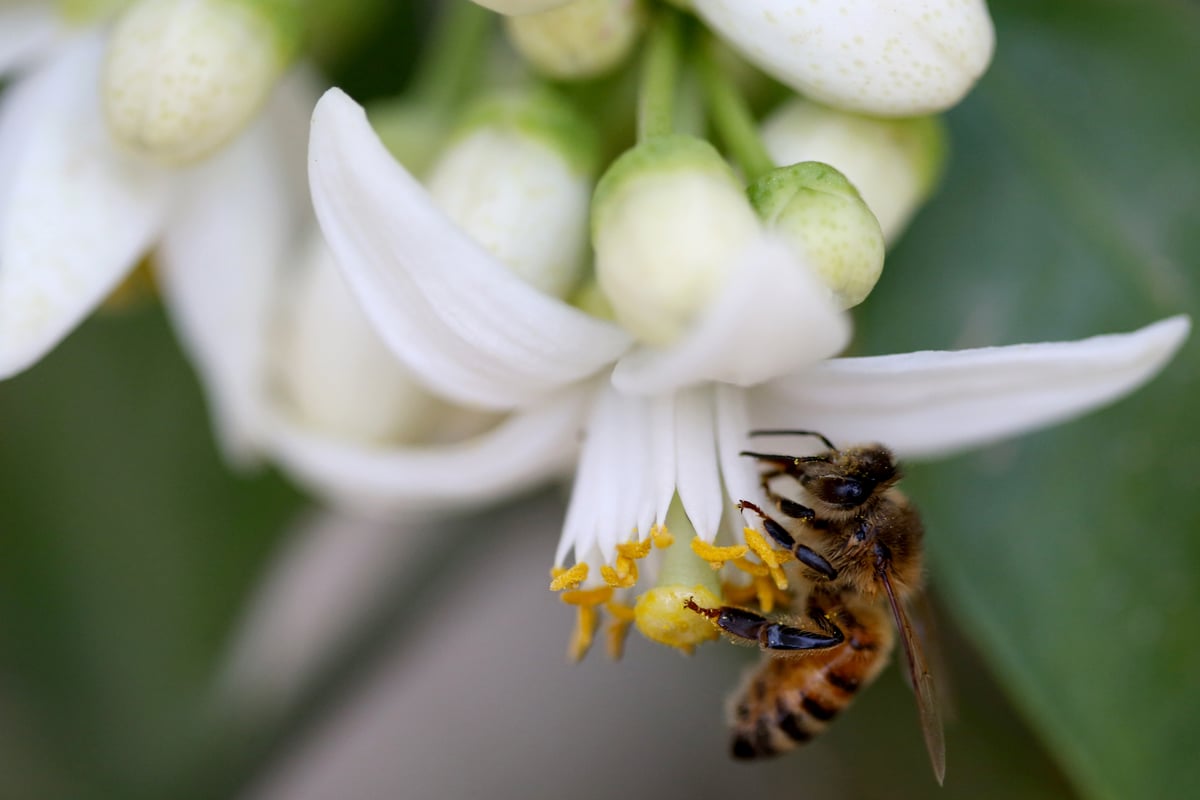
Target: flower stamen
<point>716,555</point>
<point>563,578</point>
<point>618,630</point>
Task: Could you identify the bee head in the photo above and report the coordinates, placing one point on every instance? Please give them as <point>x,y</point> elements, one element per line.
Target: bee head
<point>853,476</point>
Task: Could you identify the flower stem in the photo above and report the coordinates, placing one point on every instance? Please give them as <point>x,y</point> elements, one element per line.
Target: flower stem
<point>731,115</point>
<point>453,55</point>
<point>660,73</point>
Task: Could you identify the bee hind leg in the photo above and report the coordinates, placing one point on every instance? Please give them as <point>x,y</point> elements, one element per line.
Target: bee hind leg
<point>803,553</point>
<point>749,627</point>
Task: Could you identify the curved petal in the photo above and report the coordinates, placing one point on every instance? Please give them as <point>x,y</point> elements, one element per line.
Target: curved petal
<point>773,318</point>
<point>27,29</point>
<point>459,319</point>
<point>934,402</point>
<point>75,214</point>
<point>222,249</point>
<point>526,448</point>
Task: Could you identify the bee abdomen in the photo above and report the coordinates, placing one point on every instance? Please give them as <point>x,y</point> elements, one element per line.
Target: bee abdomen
<point>796,717</point>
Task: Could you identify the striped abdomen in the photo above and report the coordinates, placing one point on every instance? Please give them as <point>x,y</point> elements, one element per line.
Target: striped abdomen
<point>788,700</point>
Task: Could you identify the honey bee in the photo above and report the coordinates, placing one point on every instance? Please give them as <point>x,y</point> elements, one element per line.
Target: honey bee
<point>865,559</point>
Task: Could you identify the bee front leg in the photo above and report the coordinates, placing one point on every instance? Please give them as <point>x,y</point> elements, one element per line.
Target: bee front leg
<point>803,553</point>
<point>749,627</point>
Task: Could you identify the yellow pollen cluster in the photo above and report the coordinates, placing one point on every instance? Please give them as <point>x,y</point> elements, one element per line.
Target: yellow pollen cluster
<point>622,574</point>
<point>717,556</point>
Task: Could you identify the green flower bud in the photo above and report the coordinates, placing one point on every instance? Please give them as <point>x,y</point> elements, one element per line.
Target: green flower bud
<point>894,163</point>
<point>86,12</point>
<point>668,221</point>
<point>581,39</point>
<point>517,179</point>
<point>821,214</point>
<point>183,77</point>
<point>520,6</point>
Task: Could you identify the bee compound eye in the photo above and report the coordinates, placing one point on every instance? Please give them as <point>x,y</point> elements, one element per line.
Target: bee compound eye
<point>843,491</point>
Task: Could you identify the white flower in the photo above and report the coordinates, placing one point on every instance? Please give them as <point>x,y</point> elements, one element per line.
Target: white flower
<point>670,422</point>
<point>885,57</point>
<point>78,211</point>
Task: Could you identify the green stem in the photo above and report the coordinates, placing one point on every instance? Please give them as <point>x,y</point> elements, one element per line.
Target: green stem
<point>453,55</point>
<point>731,115</point>
<point>660,73</point>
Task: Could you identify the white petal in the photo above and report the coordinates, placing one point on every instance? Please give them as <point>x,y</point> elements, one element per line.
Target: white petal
<point>934,402</point>
<point>882,57</point>
<point>219,266</point>
<point>739,474</point>
<point>458,318</point>
<point>662,449</point>
<point>75,215</point>
<point>698,477</point>
<point>773,318</point>
<point>614,487</point>
<point>27,29</point>
<point>523,450</point>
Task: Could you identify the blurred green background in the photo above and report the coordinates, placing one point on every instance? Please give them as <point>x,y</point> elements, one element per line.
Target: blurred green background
<point>1065,564</point>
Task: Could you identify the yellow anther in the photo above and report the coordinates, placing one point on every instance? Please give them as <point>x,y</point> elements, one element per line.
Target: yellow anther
<point>769,555</point>
<point>661,536</point>
<point>623,575</point>
<point>765,589</point>
<point>585,629</point>
<point>717,556</point>
<point>587,597</point>
<point>568,578</point>
<point>752,568</point>
<point>618,630</point>
<point>634,550</point>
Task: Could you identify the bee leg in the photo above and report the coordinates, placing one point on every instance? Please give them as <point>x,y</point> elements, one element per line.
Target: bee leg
<point>803,553</point>
<point>748,626</point>
<point>787,506</point>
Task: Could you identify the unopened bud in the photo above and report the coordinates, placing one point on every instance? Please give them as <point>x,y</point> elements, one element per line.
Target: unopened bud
<point>863,55</point>
<point>668,221</point>
<point>517,180</point>
<point>183,77</point>
<point>822,216</point>
<point>581,39</point>
<point>894,163</point>
<point>334,373</point>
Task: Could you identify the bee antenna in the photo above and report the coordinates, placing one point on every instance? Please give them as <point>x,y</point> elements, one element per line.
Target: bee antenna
<point>792,432</point>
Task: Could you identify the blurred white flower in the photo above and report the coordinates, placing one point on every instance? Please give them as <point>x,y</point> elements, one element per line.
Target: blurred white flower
<point>670,422</point>
<point>78,208</point>
<point>885,57</point>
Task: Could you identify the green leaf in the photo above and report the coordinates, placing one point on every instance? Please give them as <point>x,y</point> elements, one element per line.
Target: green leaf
<point>1073,556</point>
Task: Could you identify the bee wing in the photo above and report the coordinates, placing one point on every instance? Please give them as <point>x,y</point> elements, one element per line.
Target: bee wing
<point>925,624</point>
<point>922,683</point>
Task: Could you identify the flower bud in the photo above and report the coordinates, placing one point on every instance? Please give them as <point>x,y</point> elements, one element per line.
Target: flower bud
<point>335,374</point>
<point>894,163</point>
<point>581,39</point>
<point>893,59</point>
<point>183,77</point>
<point>512,7</point>
<point>668,220</point>
<point>517,181</point>
<point>821,214</point>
